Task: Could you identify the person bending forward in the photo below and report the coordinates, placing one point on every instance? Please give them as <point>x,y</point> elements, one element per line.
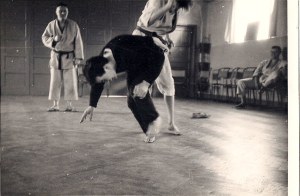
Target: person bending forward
<point>142,59</point>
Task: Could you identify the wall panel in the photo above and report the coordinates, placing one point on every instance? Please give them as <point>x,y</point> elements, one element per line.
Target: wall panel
<point>14,48</point>
<point>25,58</point>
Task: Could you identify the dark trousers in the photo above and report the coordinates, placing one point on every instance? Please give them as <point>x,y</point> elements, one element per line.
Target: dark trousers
<point>143,109</point>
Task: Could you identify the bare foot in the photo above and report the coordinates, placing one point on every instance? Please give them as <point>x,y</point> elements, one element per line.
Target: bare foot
<point>70,109</point>
<point>53,108</point>
<point>174,129</point>
<point>153,130</point>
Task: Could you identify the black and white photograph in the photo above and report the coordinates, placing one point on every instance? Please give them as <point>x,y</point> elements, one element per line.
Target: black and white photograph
<point>149,97</point>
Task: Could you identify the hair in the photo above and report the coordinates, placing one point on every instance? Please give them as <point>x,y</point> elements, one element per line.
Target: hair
<point>277,48</point>
<point>61,4</point>
<point>184,4</point>
<point>94,67</point>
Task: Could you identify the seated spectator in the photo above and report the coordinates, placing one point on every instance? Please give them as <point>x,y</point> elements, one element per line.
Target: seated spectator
<point>266,75</point>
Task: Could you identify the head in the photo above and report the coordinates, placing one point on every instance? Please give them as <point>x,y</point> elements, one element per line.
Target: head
<point>275,52</point>
<point>184,4</point>
<point>62,11</point>
<point>99,69</point>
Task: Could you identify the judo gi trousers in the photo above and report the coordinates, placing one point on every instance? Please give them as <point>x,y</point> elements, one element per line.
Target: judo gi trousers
<point>143,109</point>
<point>165,81</point>
<point>66,77</point>
<point>244,84</point>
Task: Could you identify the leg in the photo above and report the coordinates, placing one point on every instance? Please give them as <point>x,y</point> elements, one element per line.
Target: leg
<point>145,113</point>
<point>242,86</point>
<point>55,88</point>
<point>165,84</point>
<point>70,86</point>
<point>170,102</point>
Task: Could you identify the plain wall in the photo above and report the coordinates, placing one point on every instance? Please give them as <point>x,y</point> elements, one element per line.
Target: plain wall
<point>196,15</point>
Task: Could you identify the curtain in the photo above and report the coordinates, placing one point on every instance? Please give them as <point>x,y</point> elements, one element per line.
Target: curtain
<point>251,20</point>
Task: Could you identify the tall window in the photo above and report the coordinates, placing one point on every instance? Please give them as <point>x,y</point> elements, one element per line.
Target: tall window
<point>250,20</point>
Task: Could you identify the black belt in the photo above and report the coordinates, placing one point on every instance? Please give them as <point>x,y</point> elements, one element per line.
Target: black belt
<point>60,53</point>
<point>152,34</point>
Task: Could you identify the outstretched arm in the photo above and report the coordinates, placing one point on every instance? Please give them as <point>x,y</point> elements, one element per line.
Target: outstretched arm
<point>96,90</point>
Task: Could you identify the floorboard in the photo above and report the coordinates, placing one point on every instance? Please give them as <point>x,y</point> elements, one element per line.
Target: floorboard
<point>233,152</point>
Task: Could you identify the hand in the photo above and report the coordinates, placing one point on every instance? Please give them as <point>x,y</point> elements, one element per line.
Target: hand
<point>170,3</point>
<point>141,90</point>
<point>77,61</point>
<point>98,79</point>
<point>88,111</point>
<point>57,38</point>
<point>170,43</point>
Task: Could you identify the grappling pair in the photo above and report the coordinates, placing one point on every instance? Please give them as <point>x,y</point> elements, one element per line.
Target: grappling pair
<point>142,57</point>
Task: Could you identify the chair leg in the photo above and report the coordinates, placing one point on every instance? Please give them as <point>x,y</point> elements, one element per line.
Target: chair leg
<point>254,97</point>
<point>273,96</point>
<point>211,92</point>
<point>260,98</point>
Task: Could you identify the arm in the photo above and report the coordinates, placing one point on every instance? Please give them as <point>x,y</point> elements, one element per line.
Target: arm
<point>48,39</point>
<point>95,94</point>
<point>170,42</point>
<point>258,70</point>
<point>148,76</point>
<point>160,11</point>
<point>276,76</point>
<point>154,10</point>
<point>78,48</point>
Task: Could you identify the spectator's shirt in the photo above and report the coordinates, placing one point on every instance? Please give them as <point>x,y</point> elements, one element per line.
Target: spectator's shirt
<point>162,26</point>
<point>71,42</point>
<point>267,74</point>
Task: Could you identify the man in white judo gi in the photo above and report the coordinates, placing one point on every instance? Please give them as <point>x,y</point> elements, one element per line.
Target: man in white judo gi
<point>63,37</point>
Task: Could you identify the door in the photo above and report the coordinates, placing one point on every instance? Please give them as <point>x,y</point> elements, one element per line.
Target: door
<point>182,58</point>
<point>41,13</point>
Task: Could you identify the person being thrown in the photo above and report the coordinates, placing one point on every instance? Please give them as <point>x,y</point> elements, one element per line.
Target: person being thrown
<point>142,59</point>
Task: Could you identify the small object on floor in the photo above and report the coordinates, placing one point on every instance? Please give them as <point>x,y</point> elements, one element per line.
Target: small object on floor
<point>200,115</point>
<point>70,109</point>
<point>240,106</point>
<point>53,109</point>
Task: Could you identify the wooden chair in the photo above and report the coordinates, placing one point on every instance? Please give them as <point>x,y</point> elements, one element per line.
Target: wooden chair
<point>279,90</point>
<point>215,83</point>
<point>224,74</point>
<point>234,75</point>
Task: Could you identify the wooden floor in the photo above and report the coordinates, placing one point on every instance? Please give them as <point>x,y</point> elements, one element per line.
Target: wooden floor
<point>234,152</point>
